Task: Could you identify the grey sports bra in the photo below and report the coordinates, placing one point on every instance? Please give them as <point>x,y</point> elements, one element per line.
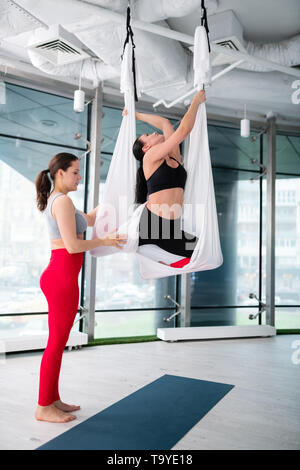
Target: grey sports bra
<point>81,223</point>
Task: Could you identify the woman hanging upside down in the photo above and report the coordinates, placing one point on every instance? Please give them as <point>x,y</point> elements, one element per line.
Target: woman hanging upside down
<point>161,181</point>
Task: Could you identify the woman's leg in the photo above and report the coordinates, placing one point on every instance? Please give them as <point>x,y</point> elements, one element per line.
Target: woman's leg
<point>63,304</point>
<point>167,234</point>
<point>59,282</point>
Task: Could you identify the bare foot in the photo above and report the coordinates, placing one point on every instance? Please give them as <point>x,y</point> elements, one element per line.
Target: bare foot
<point>52,414</point>
<point>64,407</point>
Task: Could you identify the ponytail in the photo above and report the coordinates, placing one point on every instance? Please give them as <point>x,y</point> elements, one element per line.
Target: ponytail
<point>141,190</point>
<point>43,188</point>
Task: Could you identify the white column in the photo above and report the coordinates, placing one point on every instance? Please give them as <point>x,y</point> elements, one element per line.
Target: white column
<point>270,220</point>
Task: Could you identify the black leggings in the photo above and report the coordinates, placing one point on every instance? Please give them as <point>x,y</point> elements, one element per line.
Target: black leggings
<point>165,233</point>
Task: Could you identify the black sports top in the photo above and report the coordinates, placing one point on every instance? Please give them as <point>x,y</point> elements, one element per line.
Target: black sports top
<point>167,177</point>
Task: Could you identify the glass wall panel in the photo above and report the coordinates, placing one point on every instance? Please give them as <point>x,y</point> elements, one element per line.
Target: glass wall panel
<point>287,231</point>
<point>124,323</point>
<point>120,285</point>
<point>41,116</point>
<point>23,326</point>
<point>287,154</point>
<point>221,316</point>
<point>287,248</point>
<point>229,150</point>
<point>238,214</point>
<point>287,318</point>
<point>237,193</point>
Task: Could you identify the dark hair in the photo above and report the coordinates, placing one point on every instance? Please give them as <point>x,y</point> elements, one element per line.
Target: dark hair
<point>141,184</point>
<point>60,161</point>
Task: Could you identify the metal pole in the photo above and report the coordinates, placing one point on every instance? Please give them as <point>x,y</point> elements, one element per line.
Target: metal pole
<point>270,219</point>
<point>93,200</point>
<point>185,279</point>
<point>190,92</point>
<point>185,317</point>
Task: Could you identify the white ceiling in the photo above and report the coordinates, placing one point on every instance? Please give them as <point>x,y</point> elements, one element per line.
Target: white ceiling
<point>262,20</point>
<point>165,63</point>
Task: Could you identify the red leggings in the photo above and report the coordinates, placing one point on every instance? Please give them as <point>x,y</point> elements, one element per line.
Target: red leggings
<point>59,283</point>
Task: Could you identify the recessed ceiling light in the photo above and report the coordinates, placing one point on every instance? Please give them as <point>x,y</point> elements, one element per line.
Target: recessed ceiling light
<point>48,123</point>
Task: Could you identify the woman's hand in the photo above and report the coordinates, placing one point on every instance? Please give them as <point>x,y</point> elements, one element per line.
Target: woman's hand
<point>114,239</point>
<point>199,97</point>
<point>125,113</point>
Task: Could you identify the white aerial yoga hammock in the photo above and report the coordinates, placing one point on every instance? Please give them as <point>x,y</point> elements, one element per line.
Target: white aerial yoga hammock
<point>199,215</point>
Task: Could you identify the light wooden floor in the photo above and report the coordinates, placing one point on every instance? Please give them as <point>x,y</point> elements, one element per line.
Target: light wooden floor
<point>261,412</point>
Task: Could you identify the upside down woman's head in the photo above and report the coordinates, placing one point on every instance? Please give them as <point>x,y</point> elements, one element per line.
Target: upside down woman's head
<point>144,142</point>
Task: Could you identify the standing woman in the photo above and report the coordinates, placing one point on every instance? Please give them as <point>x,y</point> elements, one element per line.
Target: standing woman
<point>59,281</point>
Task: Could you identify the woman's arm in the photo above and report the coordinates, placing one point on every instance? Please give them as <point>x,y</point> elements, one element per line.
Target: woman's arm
<point>91,216</point>
<point>155,120</point>
<point>160,151</point>
<point>64,212</point>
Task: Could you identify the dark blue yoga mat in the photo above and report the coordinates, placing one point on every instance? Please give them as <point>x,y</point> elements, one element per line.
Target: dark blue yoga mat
<point>154,417</point>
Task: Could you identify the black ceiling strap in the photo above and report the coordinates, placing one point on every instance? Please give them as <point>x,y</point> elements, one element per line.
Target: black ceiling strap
<point>130,36</point>
<point>204,21</point>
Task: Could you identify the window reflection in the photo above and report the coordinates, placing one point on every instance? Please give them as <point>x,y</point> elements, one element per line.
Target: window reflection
<point>287,262</point>
<point>41,116</point>
<point>237,200</point>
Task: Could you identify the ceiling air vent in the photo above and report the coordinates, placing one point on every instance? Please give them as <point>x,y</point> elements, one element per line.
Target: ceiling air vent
<point>225,30</point>
<point>230,43</point>
<point>58,46</point>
